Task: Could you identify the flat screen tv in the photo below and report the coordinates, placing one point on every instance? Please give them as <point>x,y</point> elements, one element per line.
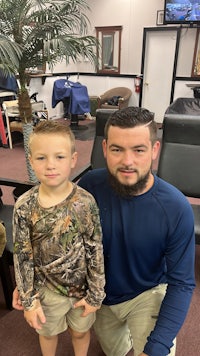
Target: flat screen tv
<point>182,12</point>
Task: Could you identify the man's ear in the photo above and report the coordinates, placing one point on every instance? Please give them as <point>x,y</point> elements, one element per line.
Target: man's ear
<point>156,149</point>
<point>104,147</point>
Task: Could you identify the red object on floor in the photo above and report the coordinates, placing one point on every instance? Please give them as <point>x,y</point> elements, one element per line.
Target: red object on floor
<point>2,130</point>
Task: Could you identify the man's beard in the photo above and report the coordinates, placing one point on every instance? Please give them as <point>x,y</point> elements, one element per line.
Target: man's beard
<point>128,191</point>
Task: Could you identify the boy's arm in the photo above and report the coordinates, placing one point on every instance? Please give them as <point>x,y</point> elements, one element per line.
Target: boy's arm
<point>35,318</point>
<point>16,302</point>
<point>87,307</point>
<point>23,258</point>
<point>94,258</point>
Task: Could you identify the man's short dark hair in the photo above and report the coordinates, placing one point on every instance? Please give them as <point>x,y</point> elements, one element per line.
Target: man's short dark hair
<point>132,117</point>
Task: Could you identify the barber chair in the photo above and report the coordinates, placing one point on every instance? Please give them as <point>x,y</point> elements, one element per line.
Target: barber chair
<point>115,98</point>
<point>97,159</point>
<point>75,100</point>
<point>179,159</point>
<point>8,91</point>
<point>6,214</point>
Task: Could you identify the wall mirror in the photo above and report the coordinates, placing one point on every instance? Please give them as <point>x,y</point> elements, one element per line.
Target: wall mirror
<point>196,58</point>
<point>109,50</point>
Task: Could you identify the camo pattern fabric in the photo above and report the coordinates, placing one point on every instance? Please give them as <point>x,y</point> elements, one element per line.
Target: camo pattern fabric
<point>59,247</point>
<point>2,238</point>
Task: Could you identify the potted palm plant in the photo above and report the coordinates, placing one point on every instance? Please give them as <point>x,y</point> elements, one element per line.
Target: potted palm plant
<point>46,31</point>
<point>9,56</point>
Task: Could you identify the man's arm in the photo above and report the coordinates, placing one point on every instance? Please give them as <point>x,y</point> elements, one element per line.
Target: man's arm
<point>180,256</point>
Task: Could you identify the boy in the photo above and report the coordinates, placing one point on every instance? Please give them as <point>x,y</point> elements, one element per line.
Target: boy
<point>58,255</point>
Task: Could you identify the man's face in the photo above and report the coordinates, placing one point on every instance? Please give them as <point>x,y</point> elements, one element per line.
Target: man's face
<point>129,154</point>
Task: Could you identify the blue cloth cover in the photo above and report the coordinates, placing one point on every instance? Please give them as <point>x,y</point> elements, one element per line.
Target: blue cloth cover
<point>73,95</point>
<point>8,83</point>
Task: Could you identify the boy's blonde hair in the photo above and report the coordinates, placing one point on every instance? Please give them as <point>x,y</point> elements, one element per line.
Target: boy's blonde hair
<point>53,127</point>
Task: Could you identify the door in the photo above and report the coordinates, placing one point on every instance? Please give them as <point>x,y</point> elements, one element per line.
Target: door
<point>159,53</point>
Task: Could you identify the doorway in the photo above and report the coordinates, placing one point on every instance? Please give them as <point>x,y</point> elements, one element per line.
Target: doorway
<point>160,50</point>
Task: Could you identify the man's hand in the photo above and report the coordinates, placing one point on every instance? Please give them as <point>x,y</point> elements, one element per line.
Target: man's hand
<point>16,302</point>
<point>87,307</point>
<point>35,318</point>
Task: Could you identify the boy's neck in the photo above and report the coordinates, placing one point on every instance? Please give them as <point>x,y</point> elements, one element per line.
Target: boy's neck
<point>50,196</point>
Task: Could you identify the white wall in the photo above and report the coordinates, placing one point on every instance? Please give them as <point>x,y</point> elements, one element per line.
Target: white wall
<point>183,90</point>
<point>133,16</point>
<point>185,59</point>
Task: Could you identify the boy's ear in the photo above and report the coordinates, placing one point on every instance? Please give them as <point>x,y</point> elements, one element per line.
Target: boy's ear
<point>74,159</point>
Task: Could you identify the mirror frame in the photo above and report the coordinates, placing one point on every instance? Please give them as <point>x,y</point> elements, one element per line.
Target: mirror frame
<point>114,32</point>
<point>196,58</point>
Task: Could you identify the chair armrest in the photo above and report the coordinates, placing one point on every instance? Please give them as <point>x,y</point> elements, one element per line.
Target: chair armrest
<point>20,187</point>
<point>15,183</point>
<point>102,99</point>
<point>126,97</point>
<point>99,102</point>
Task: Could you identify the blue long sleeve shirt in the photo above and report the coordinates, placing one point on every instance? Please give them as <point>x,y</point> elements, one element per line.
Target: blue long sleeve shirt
<point>148,239</point>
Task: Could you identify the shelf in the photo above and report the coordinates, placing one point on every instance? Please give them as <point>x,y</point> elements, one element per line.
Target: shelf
<point>192,85</point>
<point>43,76</point>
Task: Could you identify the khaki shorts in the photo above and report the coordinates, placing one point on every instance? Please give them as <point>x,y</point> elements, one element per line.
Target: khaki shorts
<point>125,325</point>
<point>60,314</point>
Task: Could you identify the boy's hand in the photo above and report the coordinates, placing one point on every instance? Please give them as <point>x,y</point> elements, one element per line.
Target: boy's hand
<point>87,307</point>
<point>16,302</point>
<point>35,318</point>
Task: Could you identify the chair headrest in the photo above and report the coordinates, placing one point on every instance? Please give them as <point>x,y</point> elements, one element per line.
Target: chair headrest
<point>181,129</point>
<point>180,152</point>
<point>102,116</point>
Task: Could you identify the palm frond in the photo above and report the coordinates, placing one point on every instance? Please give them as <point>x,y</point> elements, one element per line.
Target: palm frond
<point>45,31</point>
<point>10,55</point>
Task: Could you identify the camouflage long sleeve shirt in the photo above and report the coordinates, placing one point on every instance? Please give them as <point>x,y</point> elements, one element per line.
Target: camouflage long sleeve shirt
<point>59,247</point>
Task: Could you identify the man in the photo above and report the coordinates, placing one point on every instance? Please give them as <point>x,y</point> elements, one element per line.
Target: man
<point>148,238</point>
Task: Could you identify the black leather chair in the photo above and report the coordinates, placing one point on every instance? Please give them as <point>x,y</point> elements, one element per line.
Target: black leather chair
<point>97,158</point>
<point>179,158</point>
<point>6,213</point>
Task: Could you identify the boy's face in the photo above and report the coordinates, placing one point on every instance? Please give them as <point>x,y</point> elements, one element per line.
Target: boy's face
<point>51,158</point>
